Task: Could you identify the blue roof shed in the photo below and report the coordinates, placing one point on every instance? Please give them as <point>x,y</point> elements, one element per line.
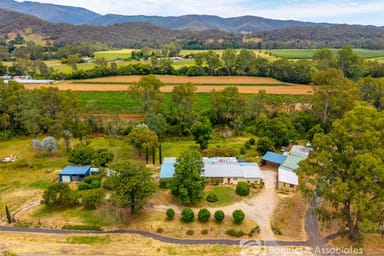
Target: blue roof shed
<point>74,173</point>
<point>274,157</point>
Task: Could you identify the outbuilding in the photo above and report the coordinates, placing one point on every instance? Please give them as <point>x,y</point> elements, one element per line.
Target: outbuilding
<point>273,158</point>
<point>74,173</point>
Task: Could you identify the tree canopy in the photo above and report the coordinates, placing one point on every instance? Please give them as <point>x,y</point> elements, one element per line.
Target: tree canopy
<point>133,185</point>
<point>188,184</point>
<point>346,170</point>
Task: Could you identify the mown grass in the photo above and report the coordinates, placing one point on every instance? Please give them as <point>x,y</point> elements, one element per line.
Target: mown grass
<point>226,195</point>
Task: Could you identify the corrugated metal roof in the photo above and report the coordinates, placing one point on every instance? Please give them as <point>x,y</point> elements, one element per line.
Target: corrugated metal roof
<point>287,176</point>
<point>168,167</point>
<point>222,170</point>
<point>75,170</point>
<point>274,157</point>
<point>217,167</point>
<point>291,162</point>
<point>300,151</point>
<point>251,171</point>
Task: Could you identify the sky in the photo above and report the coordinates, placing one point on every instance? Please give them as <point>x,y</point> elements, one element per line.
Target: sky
<point>365,12</point>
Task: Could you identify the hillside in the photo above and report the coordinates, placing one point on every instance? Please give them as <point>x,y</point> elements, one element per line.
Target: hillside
<point>315,37</point>
<point>117,35</point>
<point>74,15</point>
<point>51,12</point>
<point>139,34</point>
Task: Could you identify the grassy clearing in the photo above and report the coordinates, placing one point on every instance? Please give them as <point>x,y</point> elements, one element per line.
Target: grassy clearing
<point>20,183</point>
<point>24,179</point>
<point>289,216</point>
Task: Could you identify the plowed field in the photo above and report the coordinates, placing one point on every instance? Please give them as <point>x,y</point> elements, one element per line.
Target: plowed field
<point>203,84</point>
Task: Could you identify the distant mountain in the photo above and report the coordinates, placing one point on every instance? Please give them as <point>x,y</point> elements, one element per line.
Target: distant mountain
<point>51,12</point>
<point>118,35</point>
<point>204,22</point>
<point>139,34</point>
<point>74,15</point>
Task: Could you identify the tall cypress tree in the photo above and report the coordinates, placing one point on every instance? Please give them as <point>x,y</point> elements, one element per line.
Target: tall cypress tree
<point>8,213</point>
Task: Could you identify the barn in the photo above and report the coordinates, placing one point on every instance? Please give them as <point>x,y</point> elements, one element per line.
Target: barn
<point>74,173</point>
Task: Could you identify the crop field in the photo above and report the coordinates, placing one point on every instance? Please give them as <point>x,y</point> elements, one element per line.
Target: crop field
<point>246,85</point>
<point>308,53</point>
<point>120,102</point>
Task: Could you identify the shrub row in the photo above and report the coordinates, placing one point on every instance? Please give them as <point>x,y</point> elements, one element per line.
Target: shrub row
<point>187,215</point>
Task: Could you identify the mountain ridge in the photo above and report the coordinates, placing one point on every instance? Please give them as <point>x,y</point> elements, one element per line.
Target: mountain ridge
<point>137,35</point>
<point>82,16</point>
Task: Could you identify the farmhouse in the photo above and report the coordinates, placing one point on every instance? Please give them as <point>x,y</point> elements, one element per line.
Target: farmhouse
<point>220,170</point>
<point>74,173</point>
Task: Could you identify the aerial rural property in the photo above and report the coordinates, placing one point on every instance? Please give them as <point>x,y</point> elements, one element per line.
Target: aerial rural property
<point>186,128</point>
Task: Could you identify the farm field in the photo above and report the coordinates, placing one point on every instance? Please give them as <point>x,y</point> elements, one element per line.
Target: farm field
<point>308,53</point>
<point>246,85</point>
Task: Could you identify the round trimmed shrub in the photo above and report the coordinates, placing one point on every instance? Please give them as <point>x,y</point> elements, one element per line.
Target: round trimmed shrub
<point>170,213</point>
<point>203,215</point>
<point>159,230</point>
<point>242,188</point>
<point>219,216</point>
<point>204,232</point>
<point>238,216</point>
<point>252,141</point>
<point>190,232</point>
<point>211,197</point>
<point>187,215</point>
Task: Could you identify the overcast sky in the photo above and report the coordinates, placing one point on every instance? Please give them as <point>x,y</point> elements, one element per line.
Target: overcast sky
<point>367,12</point>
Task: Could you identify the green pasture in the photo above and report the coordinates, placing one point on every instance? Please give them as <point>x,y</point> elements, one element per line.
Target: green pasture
<point>308,53</point>
<point>66,69</point>
<point>113,54</point>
